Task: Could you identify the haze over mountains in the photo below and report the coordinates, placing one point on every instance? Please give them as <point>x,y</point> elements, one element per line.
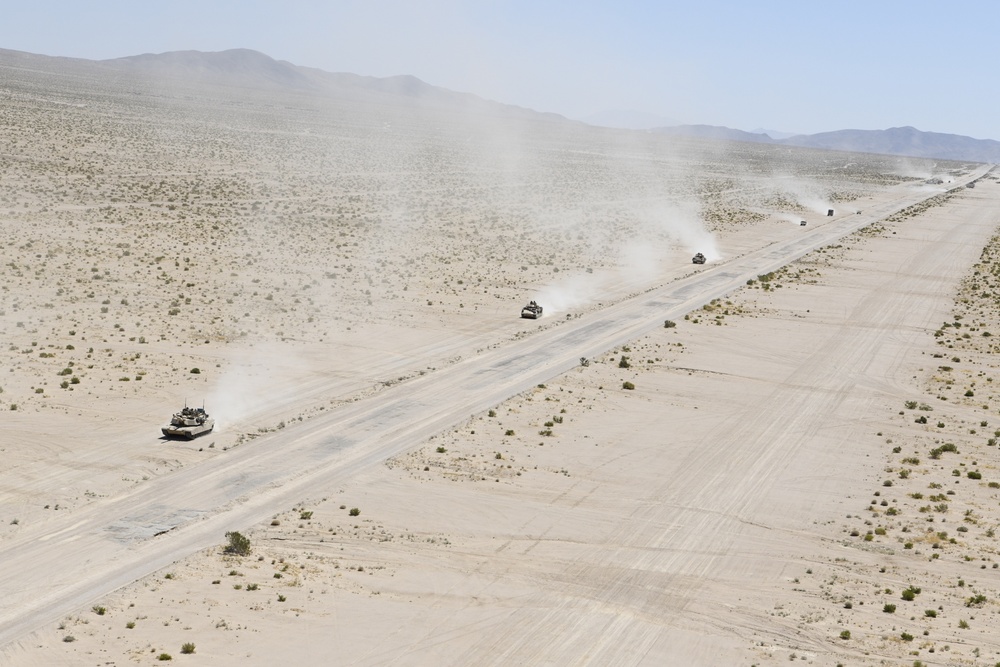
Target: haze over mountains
<point>906,141</point>
<point>252,69</point>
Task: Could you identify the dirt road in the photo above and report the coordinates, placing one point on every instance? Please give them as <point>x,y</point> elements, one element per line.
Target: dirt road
<point>67,563</point>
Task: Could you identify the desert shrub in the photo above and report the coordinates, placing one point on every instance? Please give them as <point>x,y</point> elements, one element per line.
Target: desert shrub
<point>164,656</point>
<point>906,637</point>
<point>509,431</point>
<point>238,544</point>
<point>889,608</point>
<point>910,405</point>
<point>946,447</point>
<point>628,385</point>
<point>624,362</point>
<point>440,450</point>
<point>974,474</point>
<point>99,610</point>
<point>196,371</point>
<point>305,515</point>
<point>669,324</point>
<point>354,511</point>
<point>845,634</point>
<point>252,587</point>
<point>930,613</point>
<point>187,648</point>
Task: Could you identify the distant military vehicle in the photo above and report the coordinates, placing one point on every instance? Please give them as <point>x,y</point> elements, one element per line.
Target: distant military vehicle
<point>802,223</point>
<point>698,259</point>
<point>188,423</point>
<point>532,311</point>
<point>829,212</point>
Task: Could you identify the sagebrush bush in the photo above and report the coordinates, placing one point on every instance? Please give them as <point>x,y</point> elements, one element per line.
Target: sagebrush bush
<point>238,544</point>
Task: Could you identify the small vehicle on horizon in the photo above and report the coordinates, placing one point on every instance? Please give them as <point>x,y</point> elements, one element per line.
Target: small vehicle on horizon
<point>802,224</point>
<point>698,258</point>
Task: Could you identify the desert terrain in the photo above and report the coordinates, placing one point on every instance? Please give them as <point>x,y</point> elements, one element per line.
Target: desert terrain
<point>765,480</point>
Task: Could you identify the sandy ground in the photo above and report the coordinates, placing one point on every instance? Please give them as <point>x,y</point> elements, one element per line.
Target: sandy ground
<point>765,492</point>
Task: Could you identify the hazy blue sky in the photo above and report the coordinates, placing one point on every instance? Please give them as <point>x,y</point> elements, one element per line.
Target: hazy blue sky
<point>802,66</point>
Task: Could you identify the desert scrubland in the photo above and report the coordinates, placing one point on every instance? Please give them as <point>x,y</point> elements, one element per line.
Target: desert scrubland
<point>803,470</point>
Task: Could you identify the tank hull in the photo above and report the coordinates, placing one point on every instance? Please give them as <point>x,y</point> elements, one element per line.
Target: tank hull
<point>532,311</point>
<point>188,432</point>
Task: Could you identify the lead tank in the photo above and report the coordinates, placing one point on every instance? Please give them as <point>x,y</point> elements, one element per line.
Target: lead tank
<point>189,423</point>
<point>532,311</point>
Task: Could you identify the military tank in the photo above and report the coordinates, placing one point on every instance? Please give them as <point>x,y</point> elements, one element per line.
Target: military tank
<point>189,423</point>
<point>698,259</point>
<point>532,311</point>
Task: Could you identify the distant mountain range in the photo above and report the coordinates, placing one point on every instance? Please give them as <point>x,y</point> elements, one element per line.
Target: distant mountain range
<point>906,141</point>
<point>250,70</point>
<point>245,68</point>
